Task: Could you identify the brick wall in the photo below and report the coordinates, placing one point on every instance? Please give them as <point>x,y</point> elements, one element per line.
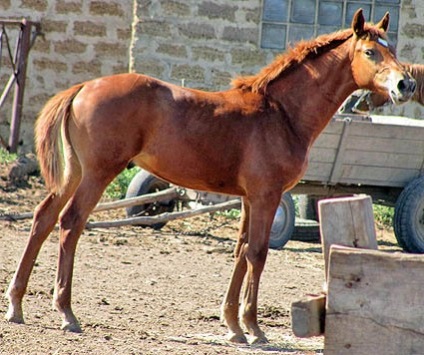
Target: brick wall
<point>83,39</point>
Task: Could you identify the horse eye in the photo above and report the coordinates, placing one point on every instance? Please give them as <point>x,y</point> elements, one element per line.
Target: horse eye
<point>369,52</point>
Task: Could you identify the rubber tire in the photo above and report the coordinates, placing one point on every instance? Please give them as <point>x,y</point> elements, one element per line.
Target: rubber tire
<point>283,225</point>
<point>144,183</point>
<point>408,221</point>
<point>308,207</point>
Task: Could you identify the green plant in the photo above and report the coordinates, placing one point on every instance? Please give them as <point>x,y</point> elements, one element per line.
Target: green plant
<point>118,187</point>
<point>230,214</point>
<point>383,215</point>
<point>6,157</point>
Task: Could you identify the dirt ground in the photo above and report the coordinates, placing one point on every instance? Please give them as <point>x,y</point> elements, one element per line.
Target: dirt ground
<point>140,291</point>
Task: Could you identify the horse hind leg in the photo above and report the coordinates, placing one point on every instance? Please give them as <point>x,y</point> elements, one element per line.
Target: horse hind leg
<point>45,217</point>
<point>72,222</point>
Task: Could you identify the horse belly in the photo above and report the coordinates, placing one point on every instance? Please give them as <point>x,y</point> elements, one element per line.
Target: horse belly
<point>186,167</point>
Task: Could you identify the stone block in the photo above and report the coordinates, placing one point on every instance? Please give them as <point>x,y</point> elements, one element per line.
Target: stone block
<point>69,46</point>
<point>197,31</point>
<point>154,28</point>
<point>237,34</point>
<point>213,10</point>
<point>49,64</point>
<point>37,5</point>
<point>89,28</point>
<point>208,53</point>
<point>106,8</point>
<point>188,72</point>
<point>65,7</point>
<point>175,8</point>
<point>173,50</point>
<point>48,26</point>
<point>93,68</point>
<point>248,57</point>
<point>111,49</point>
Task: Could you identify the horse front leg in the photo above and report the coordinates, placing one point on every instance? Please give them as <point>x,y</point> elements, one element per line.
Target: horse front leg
<point>230,305</point>
<point>261,218</point>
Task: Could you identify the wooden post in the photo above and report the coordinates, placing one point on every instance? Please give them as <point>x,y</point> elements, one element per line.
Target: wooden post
<point>347,221</point>
<point>374,303</point>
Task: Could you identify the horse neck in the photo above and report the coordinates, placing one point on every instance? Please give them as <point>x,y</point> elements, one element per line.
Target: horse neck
<point>311,93</point>
<point>417,72</point>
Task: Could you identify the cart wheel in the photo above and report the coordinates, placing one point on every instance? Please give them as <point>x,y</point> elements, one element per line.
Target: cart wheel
<point>144,183</point>
<point>408,221</point>
<point>283,225</point>
<point>308,207</point>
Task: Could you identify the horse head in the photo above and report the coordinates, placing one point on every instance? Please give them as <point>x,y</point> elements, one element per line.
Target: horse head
<point>373,61</point>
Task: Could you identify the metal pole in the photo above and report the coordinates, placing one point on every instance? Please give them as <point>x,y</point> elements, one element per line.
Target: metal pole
<point>20,73</point>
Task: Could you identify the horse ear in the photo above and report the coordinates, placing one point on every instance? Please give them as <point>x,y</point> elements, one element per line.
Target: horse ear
<point>358,23</point>
<point>384,22</point>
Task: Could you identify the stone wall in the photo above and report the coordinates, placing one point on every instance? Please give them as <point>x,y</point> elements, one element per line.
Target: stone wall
<point>207,42</point>
<point>82,39</point>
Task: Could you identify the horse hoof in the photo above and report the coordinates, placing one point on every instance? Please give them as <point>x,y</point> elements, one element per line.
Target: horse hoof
<point>256,340</point>
<point>13,316</point>
<point>237,338</point>
<point>71,327</point>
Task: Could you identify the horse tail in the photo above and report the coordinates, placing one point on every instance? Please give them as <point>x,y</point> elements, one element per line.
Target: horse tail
<point>48,136</point>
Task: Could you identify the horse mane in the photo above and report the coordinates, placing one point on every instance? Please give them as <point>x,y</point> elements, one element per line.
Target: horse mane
<point>417,72</point>
<point>294,56</point>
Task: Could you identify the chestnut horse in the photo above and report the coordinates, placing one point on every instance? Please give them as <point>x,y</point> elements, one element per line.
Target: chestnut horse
<point>364,100</point>
<point>252,141</point>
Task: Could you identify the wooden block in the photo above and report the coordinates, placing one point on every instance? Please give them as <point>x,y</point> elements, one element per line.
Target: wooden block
<point>375,303</point>
<point>347,221</point>
<point>308,316</point>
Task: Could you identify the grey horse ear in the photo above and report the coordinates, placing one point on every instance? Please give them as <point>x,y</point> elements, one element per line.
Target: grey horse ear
<point>384,22</point>
<point>358,23</point>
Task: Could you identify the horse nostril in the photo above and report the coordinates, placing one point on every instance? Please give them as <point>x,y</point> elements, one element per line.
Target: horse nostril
<point>407,85</point>
<point>402,85</point>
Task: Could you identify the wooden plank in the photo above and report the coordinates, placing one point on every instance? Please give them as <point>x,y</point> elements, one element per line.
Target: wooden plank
<point>322,155</point>
<point>346,221</point>
<point>318,172</point>
<point>308,316</point>
<point>383,159</point>
<point>327,140</point>
<point>374,303</point>
<point>367,129</point>
<point>376,144</point>
<point>366,175</point>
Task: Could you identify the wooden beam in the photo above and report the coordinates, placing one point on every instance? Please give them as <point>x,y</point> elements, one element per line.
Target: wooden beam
<point>374,303</point>
<point>164,217</point>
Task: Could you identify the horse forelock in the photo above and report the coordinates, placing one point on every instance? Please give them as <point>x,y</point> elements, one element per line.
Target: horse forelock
<point>296,55</point>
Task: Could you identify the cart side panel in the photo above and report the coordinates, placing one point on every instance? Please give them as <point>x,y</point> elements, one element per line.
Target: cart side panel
<point>382,154</point>
<point>324,152</point>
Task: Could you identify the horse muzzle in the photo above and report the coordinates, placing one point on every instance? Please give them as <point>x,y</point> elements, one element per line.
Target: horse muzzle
<point>404,90</point>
